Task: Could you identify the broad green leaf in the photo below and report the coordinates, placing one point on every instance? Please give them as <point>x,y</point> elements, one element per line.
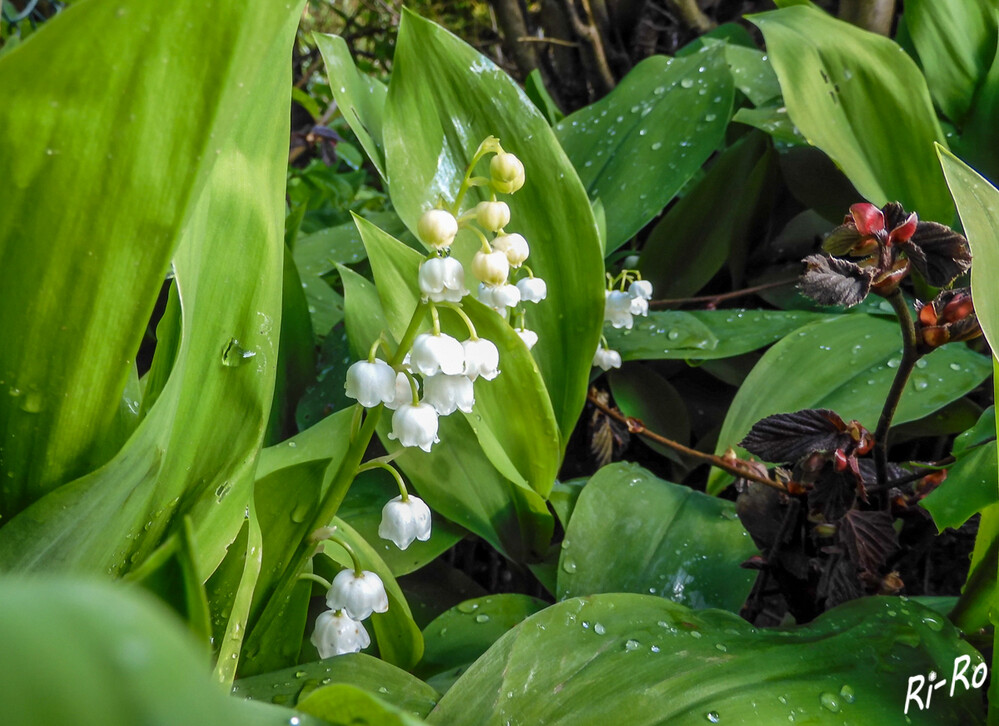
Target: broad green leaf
<point>535,88</point>
<point>456,638</point>
<point>640,659</point>
<point>183,173</point>
<point>457,480</point>
<point>399,639</point>
<point>692,242</point>
<point>978,205</point>
<point>706,334</point>
<point>524,449</point>
<point>970,487</point>
<point>956,40</point>
<point>131,661</point>
<point>846,364</point>
<point>345,705</point>
<point>857,96</point>
<point>975,144</point>
<point>362,510</point>
<point>980,595</point>
<point>752,73</point>
<point>361,99</point>
<point>633,532</point>
<point>635,148</point>
<point>392,684</point>
<point>444,99</point>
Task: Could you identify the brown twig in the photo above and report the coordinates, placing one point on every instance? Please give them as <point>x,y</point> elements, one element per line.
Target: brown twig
<point>635,426</point>
<point>720,297</point>
<point>905,367</point>
<point>551,41</point>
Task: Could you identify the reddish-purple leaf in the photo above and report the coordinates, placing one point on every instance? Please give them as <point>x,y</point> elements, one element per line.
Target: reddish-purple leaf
<point>938,252</point>
<point>787,437</point>
<point>868,538</point>
<point>832,281</point>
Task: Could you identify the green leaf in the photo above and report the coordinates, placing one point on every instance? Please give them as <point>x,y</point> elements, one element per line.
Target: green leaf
<point>970,487</point>
<point>633,532</point>
<point>130,662</point>
<point>978,204</point>
<point>635,148</point>
<point>456,638</point>
<point>639,391</point>
<point>975,143</point>
<point>345,705</point>
<point>857,96</point>
<point>184,179</point>
<point>536,91</point>
<point>772,120</point>
<point>846,364</point>
<point>392,684</point>
<point>361,99</point>
<point>706,334</point>
<point>956,41</point>
<point>652,661</point>
<point>692,242</point>
<point>752,73</point>
<point>980,595</point>
<point>444,99</point>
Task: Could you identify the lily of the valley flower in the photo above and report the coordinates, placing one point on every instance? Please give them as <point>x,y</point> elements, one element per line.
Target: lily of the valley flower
<point>532,289</point>
<point>405,520</point>
<point>481,359</point>
<point>415,425</point>
<point>640,288</point>
<point>529,337</point>
<point>437,228</point>
<point>507,173</point>
<point>442,279</point>
<point>493,216</point>
<point>606,358</point>
<point>492,268</point>
<point>514,246</point>
<point>434,354</point>
<point>499,297</point>
<point>370,382</point>
<point>357,595</point>
<point>447,393</point>
<point>403,392</point>
<point>337,633</point>
<point>949,318</point>
<point>617,309</point>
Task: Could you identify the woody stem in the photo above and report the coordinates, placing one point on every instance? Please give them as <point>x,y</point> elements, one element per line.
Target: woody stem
<point>908,362</point>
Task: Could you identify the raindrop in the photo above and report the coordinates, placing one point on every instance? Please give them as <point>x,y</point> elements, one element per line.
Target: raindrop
<point>933,623</point>
<point>921,384</point>
<point>673,334</point>
<point>710,117</point>
<point>829,702</point>
<point>482,618</point>
<point>955,366</point>
<point>712,717</point>
<point>894,362</point>
<point>687,83</point>
<point>233,354</point>
<point>695,634</point>
<point>599,628</point>
<point>847,693</point>
<point>722,647</point>
<point>921,363</point>
<point>569,566</point>
<point>630,645</point>
<point>468,607</point>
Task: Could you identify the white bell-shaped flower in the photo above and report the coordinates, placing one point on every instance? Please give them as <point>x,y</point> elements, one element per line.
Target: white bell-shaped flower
<point>437,227</point>
<point>641,288</point>
<point>617,309</point>
<point>507,173</point>
<point>505,296</point>
<point>415,425</point>
<point>485,295</point>
<point>442,279</point>
<point>404,521</point>
<point>532,289</point>
<point>481,359</point>
<point>514,246</point>
<point>337,633</point>
<point>492,268</point>
<point>357,595</point>
<point>639,306</point>
<point>434,354</point>
<point>493,216</point>
<point>447,393</point>
<point>403,392</point>
<point>370,383</point>
<point>529,337</point>
<point>606,358</point>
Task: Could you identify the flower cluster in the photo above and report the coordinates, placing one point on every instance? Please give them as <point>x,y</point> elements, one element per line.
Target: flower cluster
<point>620,307</point>
<point>352,597</point>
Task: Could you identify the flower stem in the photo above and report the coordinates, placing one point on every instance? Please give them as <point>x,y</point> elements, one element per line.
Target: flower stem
<point>315,578</point>
<point>380,464</point>
<point>472,334</point>
<point>908,362</point>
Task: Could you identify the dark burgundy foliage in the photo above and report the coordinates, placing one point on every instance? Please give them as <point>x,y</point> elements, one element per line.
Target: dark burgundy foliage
<point>832,281</point>
<point>868,538</point>
<point>788,437</point>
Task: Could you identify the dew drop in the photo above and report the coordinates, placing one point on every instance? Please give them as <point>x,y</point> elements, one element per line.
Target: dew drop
<point>599,628</point>
<point>468,607</point>
<point>712,717</point>
<point>847,693</point>
<point>569,566</point>
<point>482,618</point>
<point>657,145</point>
<point>830,702</point>
<point>631,645</point>
<point>687,83</point>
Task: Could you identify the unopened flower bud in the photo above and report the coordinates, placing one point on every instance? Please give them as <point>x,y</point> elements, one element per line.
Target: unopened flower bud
<point>437,228</point>
<point>514,246</point>
<point>507,173</point>
<point>491,268</point>
<point>493,216</point>
<point>948,318</point>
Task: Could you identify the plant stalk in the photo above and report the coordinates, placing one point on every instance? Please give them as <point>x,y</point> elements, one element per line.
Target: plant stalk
<point>908,362</point>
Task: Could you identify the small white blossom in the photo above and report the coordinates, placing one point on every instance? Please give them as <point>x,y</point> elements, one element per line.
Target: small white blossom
<point>492,268</point>
<point>481,359</point>
<point>437,227</point>
<point>507,173</point>
<point>514,246</point>
<point>434,354</point>
<point>337,633</point>
<point>505,296</point>
<point>532,289</point>
<point>415,425</point>
<point>442,279</point>
<point>404,521</point>
<point>358,596</point>
<point>606,358</point>
<point>617,309</point>
<point>639,306</point>
<point>529,337</point>
<point>641,288</point>
<point>447,393</point>
<point>370,383</point>
<point>493,216</point>
<point>403,392</point>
